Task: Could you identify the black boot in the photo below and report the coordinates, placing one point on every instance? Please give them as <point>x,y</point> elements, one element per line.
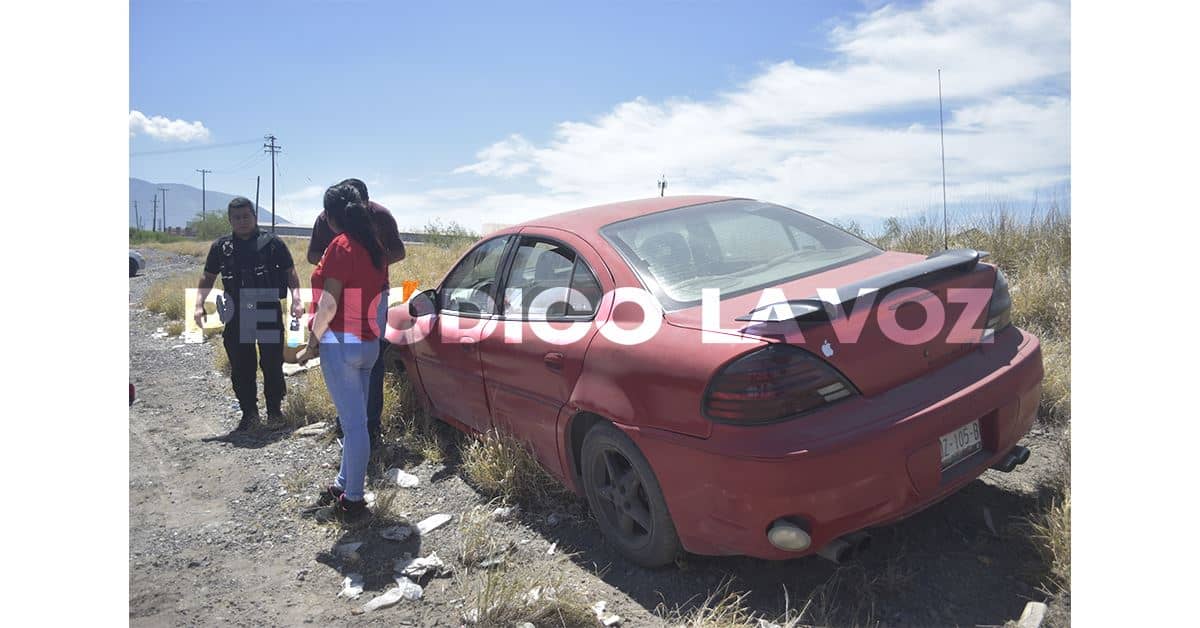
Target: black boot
<point>344,510</point>
<point>249,421</point>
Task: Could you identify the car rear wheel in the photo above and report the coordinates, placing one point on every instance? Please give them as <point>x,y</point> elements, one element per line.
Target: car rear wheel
<point>626,499</point>
<point>132,267</point>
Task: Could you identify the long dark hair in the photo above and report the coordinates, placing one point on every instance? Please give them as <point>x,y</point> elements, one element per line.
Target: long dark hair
<point>346,207</point>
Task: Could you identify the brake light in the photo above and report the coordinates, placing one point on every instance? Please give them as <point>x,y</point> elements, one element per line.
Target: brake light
<point>773,383</point>
<point>1000,308</point>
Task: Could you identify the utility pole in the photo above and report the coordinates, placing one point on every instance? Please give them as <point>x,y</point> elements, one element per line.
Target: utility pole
<point>164,222</point>
<point>137,219</point>
<point>662,185</point>
<point>273,149</point>
<point>202,191</point>
<point>257,185</point>
<point>154,218</point>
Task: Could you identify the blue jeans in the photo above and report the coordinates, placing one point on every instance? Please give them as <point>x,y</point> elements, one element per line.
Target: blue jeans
<point>346,364</point>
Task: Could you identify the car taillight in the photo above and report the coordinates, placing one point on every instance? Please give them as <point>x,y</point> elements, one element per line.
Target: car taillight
<point>1000,308</point>
<point>773,383</point>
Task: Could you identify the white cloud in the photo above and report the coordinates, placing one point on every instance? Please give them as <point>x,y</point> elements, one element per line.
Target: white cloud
<point>856,136</point>
<point>165,129</point>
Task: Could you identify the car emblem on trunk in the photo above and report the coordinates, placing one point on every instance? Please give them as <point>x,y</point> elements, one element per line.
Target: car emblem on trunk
<point>827,349</point>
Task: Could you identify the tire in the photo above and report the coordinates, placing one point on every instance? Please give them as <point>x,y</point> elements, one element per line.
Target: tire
<point>630,509</point>
<point>133,267</point>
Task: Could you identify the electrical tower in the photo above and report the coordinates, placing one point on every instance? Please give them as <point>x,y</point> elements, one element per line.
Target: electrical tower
<point>662,185</point>
<point>202,191</point>
<point>164,221</point>
<point>272,148</point>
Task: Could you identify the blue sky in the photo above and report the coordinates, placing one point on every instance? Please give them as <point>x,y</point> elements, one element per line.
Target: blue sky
<point>498,112</point>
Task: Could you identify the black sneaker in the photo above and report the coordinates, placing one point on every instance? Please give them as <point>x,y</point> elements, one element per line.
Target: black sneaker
<point>343,510</point>
<point>329,495</point>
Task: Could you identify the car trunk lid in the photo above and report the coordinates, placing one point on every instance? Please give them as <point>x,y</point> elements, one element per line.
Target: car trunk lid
<point>875,320</point>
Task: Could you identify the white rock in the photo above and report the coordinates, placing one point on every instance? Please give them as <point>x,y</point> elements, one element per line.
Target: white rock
<point>346,549</point>
<point>553,546</point>
<point>352,586</point>
<point>399,533</point>
<point>433,522</point>
<point>611,620</point>
<point>405,480</point>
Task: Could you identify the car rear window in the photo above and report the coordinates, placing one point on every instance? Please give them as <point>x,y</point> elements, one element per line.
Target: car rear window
<point>735,246</point>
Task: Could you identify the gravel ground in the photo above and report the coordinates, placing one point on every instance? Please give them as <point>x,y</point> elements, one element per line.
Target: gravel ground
<point>215,536</point>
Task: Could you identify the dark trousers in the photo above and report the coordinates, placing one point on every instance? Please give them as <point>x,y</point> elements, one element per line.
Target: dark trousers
<point>375,393</point>
<point>240,347</point>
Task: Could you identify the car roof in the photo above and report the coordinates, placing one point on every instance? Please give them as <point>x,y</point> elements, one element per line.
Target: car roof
<point>589,220</point>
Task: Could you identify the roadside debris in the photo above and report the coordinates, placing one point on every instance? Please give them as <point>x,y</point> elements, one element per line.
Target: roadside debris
<point>1032,616</point>
<point>405,589</point>
<point>405,480</point>
<point>604,618</point>
<point>397,533</point>
<point>432,522</point>
<point>315,429</point>
<point>504,513</point>
<point>553,546</point>
<point>352,586</point>
<point>418,567</point>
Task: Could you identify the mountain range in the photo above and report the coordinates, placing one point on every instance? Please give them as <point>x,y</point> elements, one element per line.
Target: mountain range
<point>182,203</point>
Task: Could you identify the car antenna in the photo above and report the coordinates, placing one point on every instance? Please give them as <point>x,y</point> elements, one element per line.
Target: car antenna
<point>942,133</point>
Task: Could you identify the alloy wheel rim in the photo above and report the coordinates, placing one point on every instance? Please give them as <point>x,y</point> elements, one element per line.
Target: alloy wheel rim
<point>621,494</point>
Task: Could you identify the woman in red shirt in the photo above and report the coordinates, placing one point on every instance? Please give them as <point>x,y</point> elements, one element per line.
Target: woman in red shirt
<point>349,280</point>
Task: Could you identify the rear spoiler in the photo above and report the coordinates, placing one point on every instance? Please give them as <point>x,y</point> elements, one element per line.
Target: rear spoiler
<point>815,308</point>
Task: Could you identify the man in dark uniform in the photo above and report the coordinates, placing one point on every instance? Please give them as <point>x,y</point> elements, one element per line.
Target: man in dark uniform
<point>393,248</point>
<point>256,271</point>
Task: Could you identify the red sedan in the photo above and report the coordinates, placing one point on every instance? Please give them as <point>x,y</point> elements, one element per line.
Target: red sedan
<point>727,376</point>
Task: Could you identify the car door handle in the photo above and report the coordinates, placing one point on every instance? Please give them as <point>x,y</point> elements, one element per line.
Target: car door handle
<point>553,360</point>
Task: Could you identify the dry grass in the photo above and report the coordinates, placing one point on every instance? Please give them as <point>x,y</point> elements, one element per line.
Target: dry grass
<point>308,400</point>
<point>174,328</point>
<point>195,248</point>
<point>405,419</point>
<point>1052,532</point>
<point>500,466</point>
<point>527,593</point>
<point>727,608</point>
<point>722,608</point>
<point>166,296</point>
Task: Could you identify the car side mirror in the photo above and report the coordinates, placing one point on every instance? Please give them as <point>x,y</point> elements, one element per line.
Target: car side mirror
<point>423,303</point>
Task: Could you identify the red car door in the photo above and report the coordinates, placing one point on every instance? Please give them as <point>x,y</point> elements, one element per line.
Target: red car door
<point>448,359</point>
<point>554,283</point>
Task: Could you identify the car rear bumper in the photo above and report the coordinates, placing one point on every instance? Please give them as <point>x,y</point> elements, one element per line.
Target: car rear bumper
<point>856,465</point>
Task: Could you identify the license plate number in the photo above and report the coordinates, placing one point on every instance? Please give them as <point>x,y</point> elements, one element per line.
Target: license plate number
<point>960,444</point>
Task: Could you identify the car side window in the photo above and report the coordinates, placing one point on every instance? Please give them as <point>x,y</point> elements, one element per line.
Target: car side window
<point>470,289</point>
<point>544,272</point>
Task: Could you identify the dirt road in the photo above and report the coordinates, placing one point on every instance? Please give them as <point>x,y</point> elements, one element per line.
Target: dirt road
<point>215,536</point>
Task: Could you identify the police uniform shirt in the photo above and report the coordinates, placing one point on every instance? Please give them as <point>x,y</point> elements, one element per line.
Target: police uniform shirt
<point>242,265</point>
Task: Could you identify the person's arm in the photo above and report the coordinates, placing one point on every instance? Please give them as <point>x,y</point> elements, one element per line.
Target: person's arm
<point>389,234</point>
<point>212,265</point>
<point>202,289</point>
<point>327,307</point>
<point>293,284</point>
<point>322,235</point>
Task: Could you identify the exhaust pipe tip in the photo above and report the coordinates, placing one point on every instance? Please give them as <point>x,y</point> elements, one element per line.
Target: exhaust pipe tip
<point>1018,455</point>
<point>844,549</point>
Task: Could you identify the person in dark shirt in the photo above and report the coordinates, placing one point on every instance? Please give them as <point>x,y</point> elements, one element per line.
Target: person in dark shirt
<point>389,237</point>
<point>256,271</point>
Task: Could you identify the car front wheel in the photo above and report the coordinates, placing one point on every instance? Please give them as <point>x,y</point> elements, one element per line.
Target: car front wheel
<point>626,499</point>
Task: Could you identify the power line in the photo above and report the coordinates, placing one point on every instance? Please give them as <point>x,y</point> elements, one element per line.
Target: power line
<point>188,149</point>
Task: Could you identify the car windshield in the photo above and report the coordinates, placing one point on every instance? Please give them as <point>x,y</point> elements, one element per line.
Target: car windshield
<point>735,246</point>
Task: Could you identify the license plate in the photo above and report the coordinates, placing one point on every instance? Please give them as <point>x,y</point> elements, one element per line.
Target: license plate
<point>960,444</point>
